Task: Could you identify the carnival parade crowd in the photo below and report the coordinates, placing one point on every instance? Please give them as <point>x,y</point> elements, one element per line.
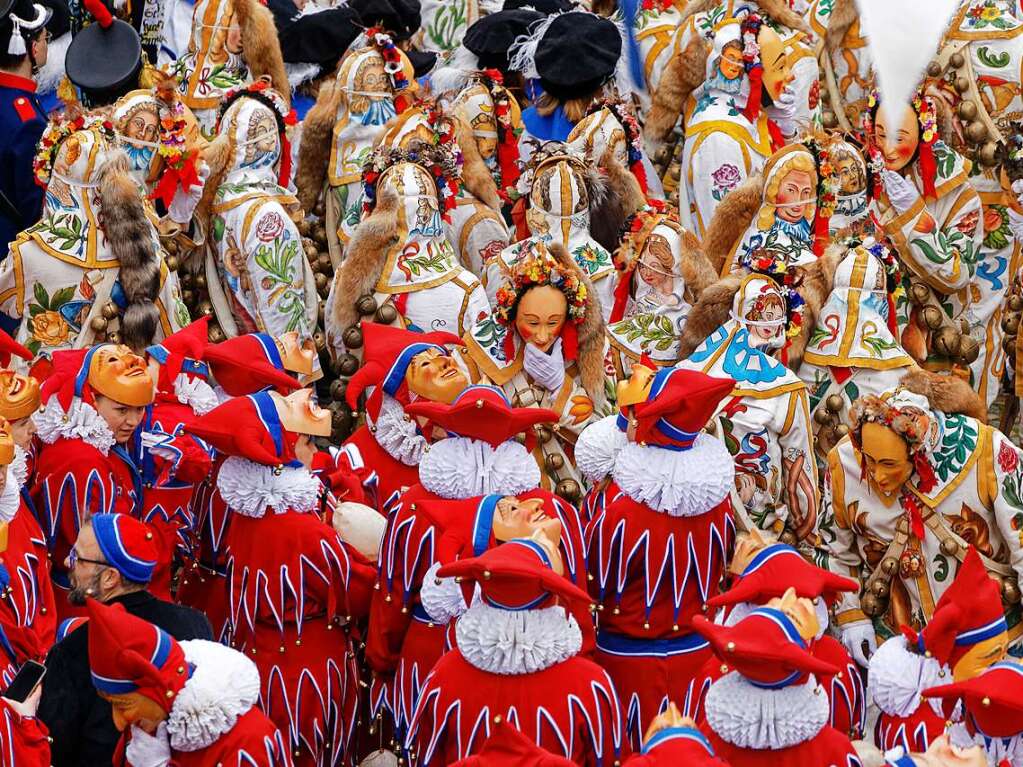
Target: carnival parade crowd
<point>527,383</point>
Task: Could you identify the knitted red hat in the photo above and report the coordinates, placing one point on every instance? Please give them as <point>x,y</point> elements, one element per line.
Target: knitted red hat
<point>182,352</point>
<point>387,352</point>
<point>993,700</point>
<point>248,364</point>
<point>679,405</point>
<point>516,575</point>
<point>765,647</point>
<point>778,568</point>
<point>507,747</point>
<point>484,413</point>
<point>970,611</point>
<point>9,346</point>
<point>128,654</point>
<point>248,427</point>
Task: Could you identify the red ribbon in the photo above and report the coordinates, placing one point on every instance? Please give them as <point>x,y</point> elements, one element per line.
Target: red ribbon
<point>756,80</point>
<point>186,177</point>
<point>928,170</point>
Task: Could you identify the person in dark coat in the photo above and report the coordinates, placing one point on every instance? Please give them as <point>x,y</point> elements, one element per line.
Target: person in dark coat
<point>112,561</point>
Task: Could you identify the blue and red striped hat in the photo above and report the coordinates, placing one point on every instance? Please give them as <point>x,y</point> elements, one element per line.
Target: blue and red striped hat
<point>127,544</point>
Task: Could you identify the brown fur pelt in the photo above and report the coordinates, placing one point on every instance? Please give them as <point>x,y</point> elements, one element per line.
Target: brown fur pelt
<point>946,393</point>
<point>260,45</point>
<point>709,313</point>
<point>134,243</point>
<point>777,10</point>
<point>843,15</point>
<point>591,330</point>
<point>475,174</point>
<point>814,282</point>
<point>314,151</point>
<point>731,218</point>
<point>684,73</point>
<point>364,259</point>
<point>697,271</point>
<point>218,154</point>
<point>617,197</point>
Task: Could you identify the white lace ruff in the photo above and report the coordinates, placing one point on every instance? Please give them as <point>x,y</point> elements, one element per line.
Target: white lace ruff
<point>223,687</point>
<point>741,610</point>
<point>507,642</point>
<point>10,498</point>
<point>249,488</point>
<point>897,677</point>
<point>19,467</point>
<point>681,484</point>
<point>459,467</point>
<point>195,393</point>
<point>82,422</point>
<point>750,717</point>
<point>442,598</point>
<point>397,434</point>
<point>598,447</point>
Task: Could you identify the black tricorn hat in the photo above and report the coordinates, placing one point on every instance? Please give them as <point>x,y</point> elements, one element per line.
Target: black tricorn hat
<point>491,37</point>
<point>105,58</point>
<point>577,54</point>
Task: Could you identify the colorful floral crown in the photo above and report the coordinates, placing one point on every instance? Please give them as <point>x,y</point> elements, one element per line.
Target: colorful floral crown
<point>443,165</point>
<point>749,29</point>
<point>633,135</point>
<point>767,264</point>
<point>633,237</point>
<point>828,186</point>
<point>392,58</point>
<point>179,160</point>
<point>56,131</point>
<point>262,91</point>
<point>507,132</point>
<point>537,267</point>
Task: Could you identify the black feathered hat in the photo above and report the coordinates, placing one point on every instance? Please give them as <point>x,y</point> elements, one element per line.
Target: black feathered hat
<point>490,38</point>
<point>105,58</point>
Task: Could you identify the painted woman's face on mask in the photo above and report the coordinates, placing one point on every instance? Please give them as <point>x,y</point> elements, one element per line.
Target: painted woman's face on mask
<point>795,199</point>
<point>766,319</point>
<point>541,315</point>
<point>775,58</point>
<point>898,135</point>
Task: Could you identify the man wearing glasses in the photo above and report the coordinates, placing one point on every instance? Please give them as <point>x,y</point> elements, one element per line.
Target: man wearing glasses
<point>112,561</point>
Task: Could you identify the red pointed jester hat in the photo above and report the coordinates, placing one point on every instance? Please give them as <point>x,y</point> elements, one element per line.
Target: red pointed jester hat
<point>182,352</point>
<point>679,405</point>
<point>9,346</point>
<point>507,747</point>
<point>248,427</point>
<point>993,700</point>
<point>248,364</point>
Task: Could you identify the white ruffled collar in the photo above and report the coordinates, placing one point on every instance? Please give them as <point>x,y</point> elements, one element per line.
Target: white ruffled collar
<point>751,717</point>
<point>997,750</point>
<point>10,498</point>
<point>516,642</point>
<point>82,422</point>
<point>680,484</point>
<point>223,687</point>
<point>898,677</point>
<point>195,393</point>
<point>397,433</point>
<point>19,466</point>
<point>598,447</point>
<point>249,488</point>
<point>459,467</point>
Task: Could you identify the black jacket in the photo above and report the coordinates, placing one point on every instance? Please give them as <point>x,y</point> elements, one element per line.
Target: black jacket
<point>80,722</point>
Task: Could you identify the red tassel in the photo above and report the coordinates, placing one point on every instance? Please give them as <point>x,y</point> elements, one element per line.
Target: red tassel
<point>640,173</point>
<point>911,504</point>
<point>777,139</point>
<point>284,175</point>
<point>928,170</point>
<point>509,345</point>
<point>508,159</point>
<point>518,215</point>
<point>186,177</point>
<point>621,294</point>
<point>926,481</point>
<point>570,341</point>
<point>893,325</point>
<point>756,80</point>
<point>99,12</point>
<point>820,233</point>
<point>401,304</point>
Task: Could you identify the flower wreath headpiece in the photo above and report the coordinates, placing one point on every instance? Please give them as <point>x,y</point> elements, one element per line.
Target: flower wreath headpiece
<point>828,186</point>
<point>536,267</point>
<point>443,165</point>
<point>927,119</point>
<point>633,135</point>
<point>507,133</point>
<point>262,91</point>
<point>767,264</point>
<point>179,161</point>
<point>56,131</point>
<point>388,51</point>
<point>634,234</point>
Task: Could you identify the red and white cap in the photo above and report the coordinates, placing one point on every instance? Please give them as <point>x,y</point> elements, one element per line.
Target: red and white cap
<point>679,405</point>
<point>9,346</point>
<point>993,700</point>
<point>182,352</point>
<point>248,364</point>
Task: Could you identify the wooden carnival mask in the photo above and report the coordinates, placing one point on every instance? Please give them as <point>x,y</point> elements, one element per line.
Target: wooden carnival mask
<point>541,315</point>
<point>19,395</point>
<point>297,356</point>
<point>887,458</point>
<point>897,133</point>
<point>134,708</point>
<point>524,519</point>
<point>435,376</point>
<point>116,372</point>
<point>300,414</point>
<point>775,58</point>
<point>800,611</point>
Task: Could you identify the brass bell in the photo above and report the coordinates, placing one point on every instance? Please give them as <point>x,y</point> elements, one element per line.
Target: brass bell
<point>788,538</point>
<point>946,342</point>
<point>822,416</point>
<point>352,337</point>
<point>206,308</point>
<point>172,263</point>
<point>825,96</point>
<point>216,334</point>
<point>319,210</point>
<point>322,283</point>
<point>1010,591</point>
<point>932,317</point>
<point>543,433</point>
<point>829,119</point>
<point>110,310</point>
<point>386,314</point>
<point>976,132</point>
<point>319,340</point>
<point>569,490</point>
<point>956,60</point>
<point>1009,344</point>
<point>962,84</point>
<point>933,69</point>
<point>310,249</point>
<point>988,154</point>
<point>889,565</point>
<point>842,429</point>
<point>200,281</point>
<point>188,296</point>
<point>338,387</point>
<point>1010,324</point>
<point>871,605</point>
<point>834,403</point>
<point>324,262</point>
<point>949,547</point>
<point>969,349</point>
<point>347,364</point>
<point>98,324</point>
<point>114,338</point>
<point>1016,303</point>
<point>919,293</point>
<point>554,462</point>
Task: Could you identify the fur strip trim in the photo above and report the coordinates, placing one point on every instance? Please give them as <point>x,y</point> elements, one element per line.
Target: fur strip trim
<point>815,282</point>
<point>459,467</point>
<point>261,46</point>
<point>765,720</point>
<point>945,393</point>
<point>443,598</point>
<point>223,687</point>
<point>731,219</point>
<point>19,467</point>
<point>597,448</point>
<point>476,176</point>
<point>843,15</point>
<point>524,642</point>
<point>317,140</point>
<point>250,488</point>
<point>897,677</point>
<point>612,200</point>
<point>680,484</point>
<point>710,312</point>
<point>134,243</point>
<point>397,434</point>
<point>364,259</point>
<point>591,331</point>
<point>195,393</point>
<point>82,422</point>
<point>684,74</point>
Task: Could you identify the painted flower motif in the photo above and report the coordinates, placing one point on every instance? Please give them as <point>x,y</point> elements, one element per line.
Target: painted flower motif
<point>270,227</point>
<point>989,13</point>
<point>815,94</point>
<point>50,329</point>
<point>968,223</point>
<point>1008,459</point>
<point>725,178</point>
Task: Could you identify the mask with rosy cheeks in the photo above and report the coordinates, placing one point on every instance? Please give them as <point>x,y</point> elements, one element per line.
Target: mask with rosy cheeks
<point>548,536</point>
<point>6,446</point>
<point>887,458</point>
<point>897,134</point>
<point>435,376</point>
<point>747,546</point>
<point>800,611</point>
<point>297,355</point>
<point>774,57</point>
<point>134,708</point>
<point>517,519</point>
<point>300,414</point>
<point>19,395</point>
<point>120,374</point>
<point>796,199</point>
<point>762,313</point>
<point>731,63</point>
<point>541,315</point>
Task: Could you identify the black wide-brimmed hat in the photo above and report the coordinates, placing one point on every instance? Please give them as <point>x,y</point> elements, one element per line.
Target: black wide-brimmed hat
<point>577,54</point>
<point>546,7</point>
<point>399,17</point>
<point>105,58</point>
<point>490,38</point>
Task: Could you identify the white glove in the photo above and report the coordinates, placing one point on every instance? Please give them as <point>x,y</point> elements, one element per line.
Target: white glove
<point>1015,223</point>
<point>145,750</point>
<point>546,368</point>
<point>901,192</point>
<point>784,111</point>
<point>183,205</point>
<point>156,443</point>
<point>853,637</point>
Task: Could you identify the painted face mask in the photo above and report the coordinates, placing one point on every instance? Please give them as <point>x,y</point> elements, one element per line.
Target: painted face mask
<point>137,122</point>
